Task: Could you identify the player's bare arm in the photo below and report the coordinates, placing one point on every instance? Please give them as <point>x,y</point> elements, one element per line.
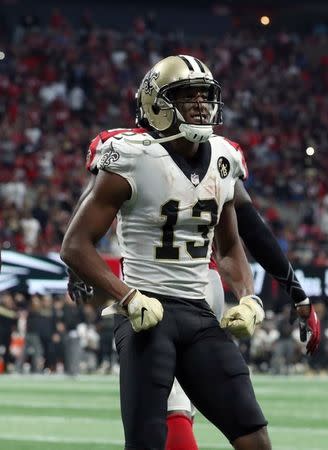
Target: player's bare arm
<point>91,222</point>
<point>85,193</point>
<point>79,291</point>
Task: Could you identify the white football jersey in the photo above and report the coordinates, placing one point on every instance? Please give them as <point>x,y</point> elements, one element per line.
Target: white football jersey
<point>165,230</point>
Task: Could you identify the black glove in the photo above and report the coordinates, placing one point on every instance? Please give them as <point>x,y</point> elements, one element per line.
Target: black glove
<point>77,289</point>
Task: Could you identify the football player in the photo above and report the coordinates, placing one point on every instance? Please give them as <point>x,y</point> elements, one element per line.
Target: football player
<point>166,254</point>
<point>261,243</point>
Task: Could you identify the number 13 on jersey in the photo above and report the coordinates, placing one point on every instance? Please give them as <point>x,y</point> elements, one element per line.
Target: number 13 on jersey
<point>168,250</point>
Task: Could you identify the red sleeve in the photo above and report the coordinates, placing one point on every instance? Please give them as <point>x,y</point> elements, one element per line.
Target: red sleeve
<point>91,154</point>
<point>238,148</point>
<point>213,264</point>
<point>96,143</point>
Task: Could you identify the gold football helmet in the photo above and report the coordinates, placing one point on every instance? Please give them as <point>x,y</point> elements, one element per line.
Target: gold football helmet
<point>160,109</point>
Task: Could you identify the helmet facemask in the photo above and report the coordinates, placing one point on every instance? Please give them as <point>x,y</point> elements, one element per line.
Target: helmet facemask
<point>193,117</point>
<point>178,97</point>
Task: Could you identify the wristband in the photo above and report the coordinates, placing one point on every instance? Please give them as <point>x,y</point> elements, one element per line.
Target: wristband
<point>126,296</point>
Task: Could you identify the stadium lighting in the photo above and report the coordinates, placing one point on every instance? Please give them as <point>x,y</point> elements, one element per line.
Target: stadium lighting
<point>2,55</point>
<point>310,151</point>
<point>265,20</point>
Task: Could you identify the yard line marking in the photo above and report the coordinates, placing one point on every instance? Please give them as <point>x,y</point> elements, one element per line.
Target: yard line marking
<point>263,378</point>
<point>60,419</point>
<point>55,378</point>
<point>274,389</point>
<point>40,438</point>
<point>62,387</point>
<point>48,405</point>
<point>305,430</point>
<point>281,412</point>
<point>55,419</point>
<point>260,380</point>
<point>56,439</point>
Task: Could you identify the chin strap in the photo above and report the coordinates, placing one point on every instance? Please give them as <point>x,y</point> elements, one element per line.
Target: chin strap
<point>147,142</point>
<point>192,133</point>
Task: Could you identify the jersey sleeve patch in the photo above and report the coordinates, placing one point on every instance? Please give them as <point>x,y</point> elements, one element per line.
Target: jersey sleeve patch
<point>243,170</point>
<point>116,157</point>
<point>107,159</point>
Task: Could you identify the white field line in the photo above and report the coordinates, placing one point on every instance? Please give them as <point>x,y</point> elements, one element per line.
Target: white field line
<point>56,420</point>
<point>110,384</point>
<point>313,387</point>
<point>263,378</point>
<point>60,419</point>
<point>24,388</point>
<point>277,411</point>
<point>278,429</point>
<point>299,430</point>
<point>40,438</point>
<point>76,405</point>
<point>260,380</point>
<point>112,390</point>
<point>49,379</point>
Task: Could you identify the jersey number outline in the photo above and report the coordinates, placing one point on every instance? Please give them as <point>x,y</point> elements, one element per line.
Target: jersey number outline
<point>170,210</point>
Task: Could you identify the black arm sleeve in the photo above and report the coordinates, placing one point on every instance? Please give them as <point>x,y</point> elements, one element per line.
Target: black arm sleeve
<point>264,247</point>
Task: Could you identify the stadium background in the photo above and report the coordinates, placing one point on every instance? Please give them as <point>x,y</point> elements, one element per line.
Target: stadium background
<point>69,70</point>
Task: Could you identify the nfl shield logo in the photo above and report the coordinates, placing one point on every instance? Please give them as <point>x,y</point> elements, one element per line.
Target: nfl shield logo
<point>194,179</point>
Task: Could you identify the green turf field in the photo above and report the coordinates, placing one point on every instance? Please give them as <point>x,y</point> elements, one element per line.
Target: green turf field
<point>60,413</point>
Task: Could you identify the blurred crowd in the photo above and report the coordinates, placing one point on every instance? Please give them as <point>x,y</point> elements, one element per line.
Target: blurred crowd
<point>60,85</point>
<point>50,334</point>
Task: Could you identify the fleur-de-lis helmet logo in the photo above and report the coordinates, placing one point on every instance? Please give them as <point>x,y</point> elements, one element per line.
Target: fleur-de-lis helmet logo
<point>148,82</point>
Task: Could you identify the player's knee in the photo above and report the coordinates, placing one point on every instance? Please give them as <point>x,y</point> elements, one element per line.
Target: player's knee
<point>263,439</point>
<point>258,440</point>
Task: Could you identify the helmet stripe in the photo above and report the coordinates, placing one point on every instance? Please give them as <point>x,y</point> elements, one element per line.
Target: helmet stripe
<point>201,66</point>
<point>189,65</point>
<point>193,63</point>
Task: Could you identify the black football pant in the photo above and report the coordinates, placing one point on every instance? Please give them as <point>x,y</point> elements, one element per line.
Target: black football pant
<point>189,344</point>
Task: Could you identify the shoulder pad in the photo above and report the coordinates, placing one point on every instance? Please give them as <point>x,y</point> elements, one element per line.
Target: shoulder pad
<point>97,144</point>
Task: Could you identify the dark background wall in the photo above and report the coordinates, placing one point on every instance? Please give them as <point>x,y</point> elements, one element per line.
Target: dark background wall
<point>202,16</point>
